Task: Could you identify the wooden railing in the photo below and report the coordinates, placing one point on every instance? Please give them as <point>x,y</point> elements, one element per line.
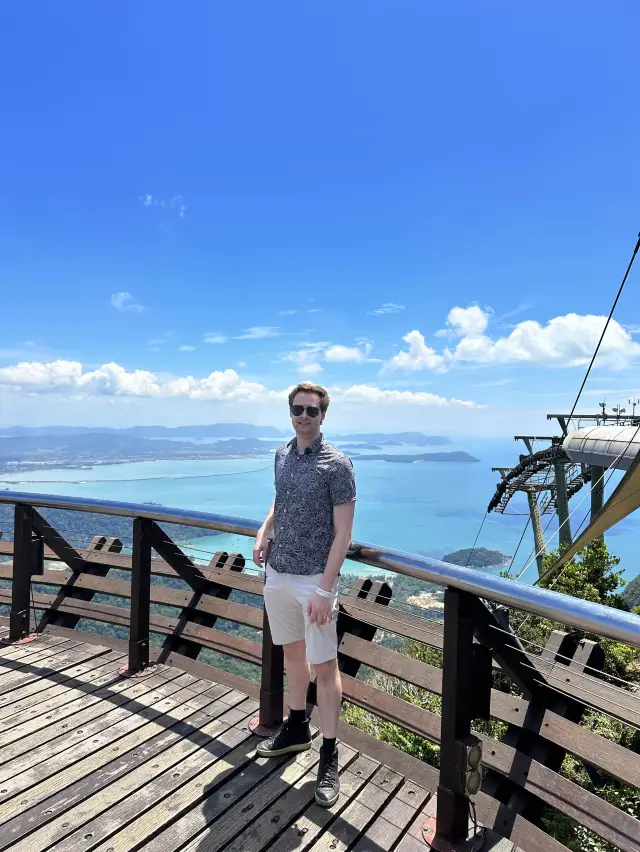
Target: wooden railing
<point>521,766</point>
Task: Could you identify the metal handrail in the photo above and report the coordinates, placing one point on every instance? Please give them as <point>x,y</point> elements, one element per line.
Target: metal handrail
<point>584,615</point>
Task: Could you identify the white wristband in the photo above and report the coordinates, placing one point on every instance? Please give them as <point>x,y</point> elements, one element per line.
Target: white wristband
<point>322,593</point>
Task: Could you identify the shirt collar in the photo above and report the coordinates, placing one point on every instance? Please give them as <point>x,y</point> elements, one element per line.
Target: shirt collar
<point>314,446</point>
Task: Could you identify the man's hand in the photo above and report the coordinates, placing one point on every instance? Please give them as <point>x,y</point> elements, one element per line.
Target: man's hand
<point>319,609</point>
<point>260,550</point>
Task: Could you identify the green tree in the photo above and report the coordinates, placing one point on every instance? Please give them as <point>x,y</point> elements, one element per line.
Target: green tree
<point>631,593</point>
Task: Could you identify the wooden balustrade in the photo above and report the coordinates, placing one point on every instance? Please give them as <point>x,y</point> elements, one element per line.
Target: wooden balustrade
<point>522,766</point>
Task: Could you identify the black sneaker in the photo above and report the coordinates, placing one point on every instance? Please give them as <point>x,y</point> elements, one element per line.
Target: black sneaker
<point>289,738</point>
<point>328,783</point>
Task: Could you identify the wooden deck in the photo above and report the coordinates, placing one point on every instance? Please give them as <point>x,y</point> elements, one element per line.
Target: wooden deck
<point>91,760</point>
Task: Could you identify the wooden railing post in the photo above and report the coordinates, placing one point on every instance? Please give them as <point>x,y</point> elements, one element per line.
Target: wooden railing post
<point>140,596</point>
<point>28,560</point>
<point>271,685</point>
<point>463,699</point>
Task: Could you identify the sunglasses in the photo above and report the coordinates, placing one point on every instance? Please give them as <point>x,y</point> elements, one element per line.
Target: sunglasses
<point>298,410</point>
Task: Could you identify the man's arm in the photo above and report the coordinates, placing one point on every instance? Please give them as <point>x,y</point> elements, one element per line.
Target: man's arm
<point>343,526</point>
<point>262,539</point>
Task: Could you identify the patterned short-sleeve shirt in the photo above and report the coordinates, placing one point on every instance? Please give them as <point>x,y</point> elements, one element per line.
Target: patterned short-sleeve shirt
<point>308,486</point>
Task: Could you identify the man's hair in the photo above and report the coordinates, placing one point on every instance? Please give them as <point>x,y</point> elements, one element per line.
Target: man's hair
<point>309,387</point>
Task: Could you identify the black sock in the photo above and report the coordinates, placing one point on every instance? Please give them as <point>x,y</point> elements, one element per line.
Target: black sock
<point>328,746</point>
<point>297,717</point>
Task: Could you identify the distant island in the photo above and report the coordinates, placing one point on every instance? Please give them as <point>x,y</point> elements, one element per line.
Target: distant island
<point>457,456</point>
<point>220,430</point>
<point>25,448</point>
<point>418,439</point>
<point>478,557</point>
<point>213,430</point>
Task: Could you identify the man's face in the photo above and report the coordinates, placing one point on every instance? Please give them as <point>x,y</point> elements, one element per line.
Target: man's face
<point>304,423</point>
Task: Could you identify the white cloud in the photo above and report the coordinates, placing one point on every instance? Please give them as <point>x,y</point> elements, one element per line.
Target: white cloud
<point>376,395</point>
<point>258,332</point>
<point>111,381</point>
<point>34,374</point>
<point>215,337</point>
<point>126,303</point>
<point>114,380</point>
<point>388,308</point>
<point>186,348</point>
<point>353,354</point>
<point>567,340</point>
<point>242,364</point>
<point>314,310</point>
<point>287,313</point>
<point>463,322</point>
<point>307,359</point>
<point>419,356</point>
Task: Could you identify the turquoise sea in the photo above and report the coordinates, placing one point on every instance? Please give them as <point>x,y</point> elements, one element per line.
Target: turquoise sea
<point>431,508</point>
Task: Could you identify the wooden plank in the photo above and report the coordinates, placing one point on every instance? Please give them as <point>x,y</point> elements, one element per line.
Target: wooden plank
<point>26,656</point>
<point>79,815</point>
<point>196,667</point>
<point>202,811</point>
<point>616,761</point>
<point>18,651</point>
<point>285,806</point>
<point>88,704</point>
<point>421,775</point>
<point>43,667</point>
<point>59,735</point>
<point>88,775</point>
<point>602,696</point>
<point>390,824</point>
<point>402,713</point>
<point>207,637</point>
<point>310,823</point>
<point>122,826</point>
<point>357,817</point>
<point>97,672</point>
<point>9,647</point>
<point>175,798</point>
<point>524,834</point>
<point>34,688</point>
<point>224,577</point>
<point>230,610</point>
<point>200,669</point>
<point>299,775</point>
<point>394,621</point>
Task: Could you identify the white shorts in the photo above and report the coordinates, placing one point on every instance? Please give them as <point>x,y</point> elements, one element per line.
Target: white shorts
<point>286,597</point>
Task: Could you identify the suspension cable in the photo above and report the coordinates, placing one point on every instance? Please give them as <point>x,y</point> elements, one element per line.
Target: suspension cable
<point>606,326</point>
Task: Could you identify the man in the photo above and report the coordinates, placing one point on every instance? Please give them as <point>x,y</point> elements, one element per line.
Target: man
<point>311,520</point>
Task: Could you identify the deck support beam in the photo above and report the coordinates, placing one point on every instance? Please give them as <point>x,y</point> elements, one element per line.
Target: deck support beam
<point>597,489</point>
<point>28,560</point>
<point>562,502</point>
<point>466,688</point>
<point>140,596</point>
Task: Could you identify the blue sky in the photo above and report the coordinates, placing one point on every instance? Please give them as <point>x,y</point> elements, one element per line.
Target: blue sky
<point>374,195</point>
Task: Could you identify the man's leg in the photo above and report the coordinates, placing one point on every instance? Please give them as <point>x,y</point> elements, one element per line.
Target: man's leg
<point>329,688</point>
<point>298,674</point>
